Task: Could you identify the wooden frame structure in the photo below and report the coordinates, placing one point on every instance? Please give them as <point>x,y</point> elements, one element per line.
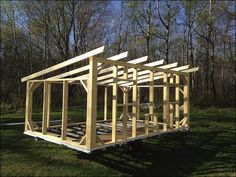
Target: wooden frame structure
<point>129,76</point>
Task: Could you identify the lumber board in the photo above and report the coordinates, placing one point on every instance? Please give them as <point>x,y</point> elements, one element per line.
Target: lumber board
<point>28,105</point>
<point>105,102</point>
<point>64,64</point>
<point>147,124</point>
<point>91,105</point>
<point>64,110</point>
<point>137,66</point>
<point>191,70</point>
<point>155,123</point>
<point>177,90</point>
<point>125,106</point>
<point>138,103</point>
<point>114,104</point>
<point>45,108</point>
<point>49,105</point>
<point>157,75</point>
<point>165,103</point>
<point>151,94</point>
<point>108,81</point>
<point>135,61</point>
<point>186,100</point>
<point>86,68</point>
<point>85,84</point>
<point>134,107</point>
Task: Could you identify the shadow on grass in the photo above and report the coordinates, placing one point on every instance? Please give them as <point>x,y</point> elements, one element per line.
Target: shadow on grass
<point>178,154</point>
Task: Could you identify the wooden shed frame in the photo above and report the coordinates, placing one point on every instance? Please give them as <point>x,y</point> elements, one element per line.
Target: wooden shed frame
<point>110,72</point>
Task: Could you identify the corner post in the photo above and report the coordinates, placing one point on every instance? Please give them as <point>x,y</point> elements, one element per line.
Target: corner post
<point>64,110</point>
<point>28,105</point>
<point>91,105</point>
<point>45,108</point>
<point>186,99</point>
<point>114,103</point>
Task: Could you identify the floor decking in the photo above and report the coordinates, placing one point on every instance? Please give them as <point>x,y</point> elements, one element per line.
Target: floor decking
<point>76,131</point>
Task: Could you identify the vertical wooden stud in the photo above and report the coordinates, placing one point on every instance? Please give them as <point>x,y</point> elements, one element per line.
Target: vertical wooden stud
<point>28,105</point>
<point>186,99</point>
<point>177,101</point>
<point>105,102</point>
<point>151,95</point>
<point>49,105</point>
<point>45,108</point>
<point>147,123</point>
<point>171,106</point>
<point>125,108</point>
<point>138,103</point>
<point>134,107</point>
<point>64,110</point>
<point>171,116</point>
<point>165,102</point>
<point>114,103</point>
<point>155,122</point>
<point>91,105</point>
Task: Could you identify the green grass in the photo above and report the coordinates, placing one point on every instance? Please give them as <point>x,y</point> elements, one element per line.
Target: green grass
<point>208,150</point>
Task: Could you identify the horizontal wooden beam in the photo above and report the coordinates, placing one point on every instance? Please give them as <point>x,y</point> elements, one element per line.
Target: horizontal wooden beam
<point>64,64</point>
<point>110,80</point>
<point>135,61</point>
<point>191,70</point>
<point>145,74</point>
<point>157,75</point>
<point>137,66</point>
<point>139,60</point>
<point>86,68</point>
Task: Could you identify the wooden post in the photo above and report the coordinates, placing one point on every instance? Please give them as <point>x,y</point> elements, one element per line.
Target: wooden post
<point>64,110</point>
<point>114,103</point>
<point>138,103</point>
<point>49,105</point>
<point>134,107</point>
<point>125,108</point>
<point>28,105</point>
<point>155,123</point>
<point>165,102</point>
<point>171,111</point>
<point>91,104</point>
<point>45,108</point>
<point>151,95</point>
<point>177,101</point>
<point>171,107</point>
<point>147,123</point>
<point>105,102</point>
<point>186,99</point>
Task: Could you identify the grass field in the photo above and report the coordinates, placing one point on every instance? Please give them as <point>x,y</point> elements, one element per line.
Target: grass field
<point>208,150</point>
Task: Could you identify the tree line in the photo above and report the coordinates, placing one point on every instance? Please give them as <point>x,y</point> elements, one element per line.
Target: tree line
<point>39,34</point>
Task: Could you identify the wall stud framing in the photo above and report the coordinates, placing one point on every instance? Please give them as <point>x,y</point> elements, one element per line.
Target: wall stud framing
<point>96,134</point>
